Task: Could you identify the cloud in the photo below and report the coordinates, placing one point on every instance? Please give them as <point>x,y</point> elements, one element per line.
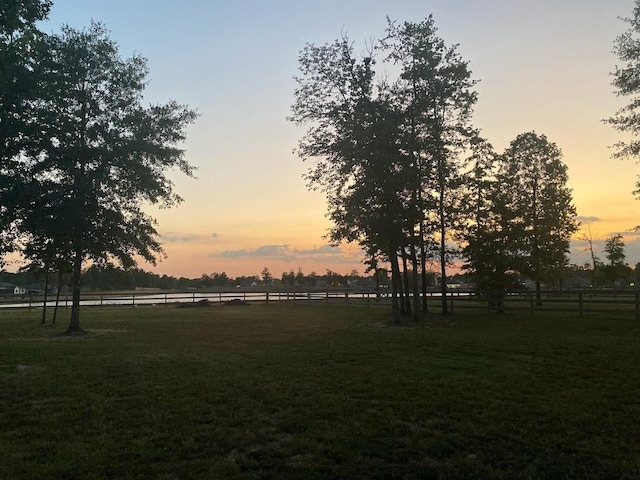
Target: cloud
<point>325,253</point>
<point>632,251</point>
<point>323,250</point>
<point>627,234</point>
<point>177,237</point>
<point>280,251</point>
<point>173,237</point>
<point>588,219</point>
<point>338,258</point>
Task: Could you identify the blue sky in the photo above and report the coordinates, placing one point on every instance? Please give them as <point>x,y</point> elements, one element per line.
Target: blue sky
<point>542,66</point>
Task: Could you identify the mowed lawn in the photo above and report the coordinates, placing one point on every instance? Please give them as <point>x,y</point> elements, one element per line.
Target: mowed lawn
<point>313,392</point>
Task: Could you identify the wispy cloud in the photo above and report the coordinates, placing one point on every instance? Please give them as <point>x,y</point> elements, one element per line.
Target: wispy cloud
<point>173,237</point>
<point>179,237</point>
<point>279,251</point>
<point>323,250</point>
<point>286,252</point>
<point>632,251</point>
<point>626,234</point>
<point>588,219</point>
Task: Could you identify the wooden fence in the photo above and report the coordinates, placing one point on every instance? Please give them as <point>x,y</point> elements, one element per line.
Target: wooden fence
<point>578,302</point>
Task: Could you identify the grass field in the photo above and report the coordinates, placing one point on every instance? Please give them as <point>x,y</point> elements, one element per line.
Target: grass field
<point>314,392</point>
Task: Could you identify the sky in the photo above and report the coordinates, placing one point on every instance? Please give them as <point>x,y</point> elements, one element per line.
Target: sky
<point>543,66</point>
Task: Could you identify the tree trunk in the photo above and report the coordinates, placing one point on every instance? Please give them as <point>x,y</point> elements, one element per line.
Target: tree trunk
<point>414,282</point>
<point>46,289</point>
<point>74,323</point>
<point>400,287</point>
<point>537,261</point>
<point>55,309</point>
<point>442,218</point>
<point>405,278</point>
<point>423,268</point>
<point>443,272</point>
<point>496,301</point>
<point>395,284</point>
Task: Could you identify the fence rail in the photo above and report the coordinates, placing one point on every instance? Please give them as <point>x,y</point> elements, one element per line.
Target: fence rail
<point>579,302</point>
<point>133,299</point>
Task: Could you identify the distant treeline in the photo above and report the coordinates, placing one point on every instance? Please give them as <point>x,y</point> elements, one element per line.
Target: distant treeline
<point>115,278</point>
<point>103,278</point>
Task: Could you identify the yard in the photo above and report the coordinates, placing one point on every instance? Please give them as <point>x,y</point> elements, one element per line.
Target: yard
<point>303,391</point>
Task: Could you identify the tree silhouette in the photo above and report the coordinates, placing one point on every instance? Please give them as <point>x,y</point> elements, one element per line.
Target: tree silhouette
<point>384,150</point>
<point>102,154</point>
<point>21,45</point>
<point>536,179</point>
<point>625,81</point>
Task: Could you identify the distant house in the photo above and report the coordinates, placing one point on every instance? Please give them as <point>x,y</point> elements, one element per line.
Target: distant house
<point>6,288</point>
<point>34,289</point>
<point>575,282</point>
<point>458,282</point>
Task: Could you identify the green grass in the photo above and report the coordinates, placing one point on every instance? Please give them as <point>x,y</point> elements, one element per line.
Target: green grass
<point>283,391</point>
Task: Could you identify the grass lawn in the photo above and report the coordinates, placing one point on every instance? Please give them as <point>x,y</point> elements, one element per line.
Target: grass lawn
<point>314,392</point>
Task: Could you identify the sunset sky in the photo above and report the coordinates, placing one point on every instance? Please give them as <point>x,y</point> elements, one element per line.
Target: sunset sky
<point>542,66</point>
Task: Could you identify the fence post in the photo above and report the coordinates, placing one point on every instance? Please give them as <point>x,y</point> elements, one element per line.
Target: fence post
<point>165,299</point>
<point>101,295</point>
<point>368,297</point>
<point>193,297</point>
<point>327,299</point>
<point>580,302</point>
<point>133,300</point>
<point>346,298</point>
<point>267,297</point>
<point>30,299</point>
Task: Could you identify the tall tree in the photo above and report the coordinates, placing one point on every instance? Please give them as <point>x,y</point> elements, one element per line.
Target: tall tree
<point>103,154</point>
<point>266,276</point>
<point>617,268</point>
<point>625,80</point>
<point>587,237</point>
<point>541,199</point>
<point>490,237</point>
<point>20,46</point>
<point>384,150</point>
<point>436,91</point>
<point>353,141</point>
<point>614,250</point>
<point>626,83</point>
